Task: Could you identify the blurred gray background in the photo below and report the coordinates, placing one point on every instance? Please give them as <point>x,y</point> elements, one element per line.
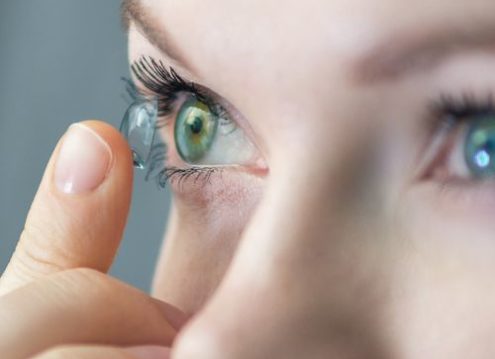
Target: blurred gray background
<point>61,62</point>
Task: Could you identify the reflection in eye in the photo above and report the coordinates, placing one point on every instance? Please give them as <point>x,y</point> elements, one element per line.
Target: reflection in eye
<point>205,136</point>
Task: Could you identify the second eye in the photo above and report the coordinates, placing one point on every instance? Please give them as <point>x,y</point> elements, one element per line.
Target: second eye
<point>469,152</point>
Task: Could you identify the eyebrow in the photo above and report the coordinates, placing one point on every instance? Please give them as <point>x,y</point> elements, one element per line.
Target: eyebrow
<point>406,54</point>
<point>133,11</point>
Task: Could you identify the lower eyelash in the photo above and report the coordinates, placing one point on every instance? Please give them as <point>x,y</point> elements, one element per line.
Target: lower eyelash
<point>162,174</point>
<point>179,175</point>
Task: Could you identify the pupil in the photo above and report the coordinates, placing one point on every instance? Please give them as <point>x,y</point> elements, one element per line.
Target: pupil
<point>196,125</point>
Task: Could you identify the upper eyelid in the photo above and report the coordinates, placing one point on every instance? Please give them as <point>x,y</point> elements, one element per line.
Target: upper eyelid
<point>212,100</point>
<point>465,105</point>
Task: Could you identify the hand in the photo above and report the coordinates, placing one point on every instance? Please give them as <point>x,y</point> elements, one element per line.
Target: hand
<point>55,299</point>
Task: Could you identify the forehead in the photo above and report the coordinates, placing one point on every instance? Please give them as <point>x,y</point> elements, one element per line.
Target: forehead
<point>260,33</point>
<point>338,23</point>
<point>277,49</point>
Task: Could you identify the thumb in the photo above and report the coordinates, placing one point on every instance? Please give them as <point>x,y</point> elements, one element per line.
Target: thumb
<point>78,215</point>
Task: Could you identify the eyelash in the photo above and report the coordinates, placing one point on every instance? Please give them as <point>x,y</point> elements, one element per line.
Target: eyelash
<point>165,85</point>
<point>464,107</point>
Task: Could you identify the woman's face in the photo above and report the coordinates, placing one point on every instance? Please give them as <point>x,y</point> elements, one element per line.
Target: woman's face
<point>349,212</point>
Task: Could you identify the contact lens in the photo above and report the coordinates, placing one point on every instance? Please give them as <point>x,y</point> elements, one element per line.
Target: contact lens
<point>138,127</point>
<point>195,129</point>
<point>480,146</point>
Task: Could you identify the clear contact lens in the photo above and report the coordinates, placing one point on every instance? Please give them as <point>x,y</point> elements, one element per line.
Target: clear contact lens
<point>139,126</point>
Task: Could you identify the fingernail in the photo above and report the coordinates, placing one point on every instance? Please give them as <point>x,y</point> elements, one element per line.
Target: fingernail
<point>149,352</point>
<point>83,160</point>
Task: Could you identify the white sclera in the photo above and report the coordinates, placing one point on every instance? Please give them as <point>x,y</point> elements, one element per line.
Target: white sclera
<point>139,127</point>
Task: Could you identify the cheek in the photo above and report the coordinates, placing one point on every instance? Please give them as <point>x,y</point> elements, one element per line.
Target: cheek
<point>455,222</point>
<point>204,230</point>
<point>444,276</point>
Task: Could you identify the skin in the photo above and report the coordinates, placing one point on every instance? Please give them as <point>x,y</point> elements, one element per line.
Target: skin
<point>346,240</point>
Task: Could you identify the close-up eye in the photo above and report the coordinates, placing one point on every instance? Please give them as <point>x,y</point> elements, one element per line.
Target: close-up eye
<point>464,148</point>
<point>176,119</point>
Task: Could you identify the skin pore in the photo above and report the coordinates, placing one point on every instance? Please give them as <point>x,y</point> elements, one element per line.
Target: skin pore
<point>352,242</point>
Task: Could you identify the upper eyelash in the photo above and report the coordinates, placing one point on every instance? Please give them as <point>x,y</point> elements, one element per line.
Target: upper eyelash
<point>165,83</point>
<point>461,108</point>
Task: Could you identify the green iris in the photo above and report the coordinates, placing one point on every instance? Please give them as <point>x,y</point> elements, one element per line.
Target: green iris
<point>479,149</point>
<point>195,130</point>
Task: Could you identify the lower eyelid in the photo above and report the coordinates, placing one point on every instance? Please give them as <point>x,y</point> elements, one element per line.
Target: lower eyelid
<point>467,195</point>
<point>227,187</point>
<point>198,187</point>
